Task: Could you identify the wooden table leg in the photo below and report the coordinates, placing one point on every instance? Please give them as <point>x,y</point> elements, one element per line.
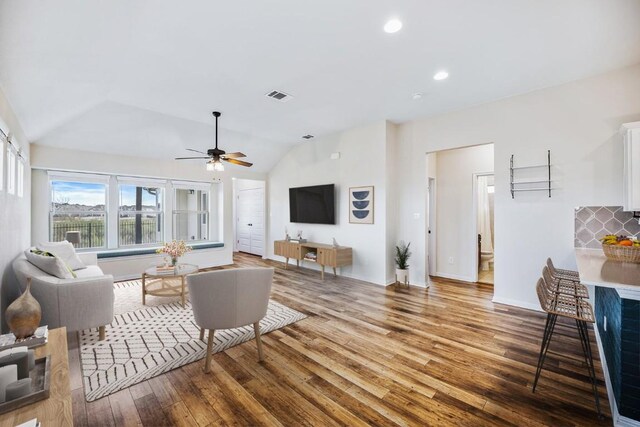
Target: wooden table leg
<point>182,290</point>
<point>297,263</point>
<point>322,275</point>
<point>334,272</point>
<point>144,280</point>
<point>286,263</point>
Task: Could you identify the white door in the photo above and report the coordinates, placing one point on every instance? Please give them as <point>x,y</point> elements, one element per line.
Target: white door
<point>431,229</point>
<point>250,221</point>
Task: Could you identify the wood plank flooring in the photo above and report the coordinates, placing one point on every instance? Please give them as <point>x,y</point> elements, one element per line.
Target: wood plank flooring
<point>370,355</point>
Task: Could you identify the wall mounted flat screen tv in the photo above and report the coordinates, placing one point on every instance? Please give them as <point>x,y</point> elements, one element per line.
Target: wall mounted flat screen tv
<point>312,205</point>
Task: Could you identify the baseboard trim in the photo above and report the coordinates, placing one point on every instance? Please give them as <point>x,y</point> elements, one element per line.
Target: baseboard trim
<point>455,277</point>
<point>618,420</point>
<point>516,303</point>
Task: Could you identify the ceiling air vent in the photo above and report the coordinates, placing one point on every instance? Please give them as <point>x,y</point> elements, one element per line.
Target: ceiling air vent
<point>307,137</point>
<point>279,96</point>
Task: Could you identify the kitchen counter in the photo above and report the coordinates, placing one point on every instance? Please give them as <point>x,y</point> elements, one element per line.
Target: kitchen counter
<point>595,269</point>
<point>617,310</point>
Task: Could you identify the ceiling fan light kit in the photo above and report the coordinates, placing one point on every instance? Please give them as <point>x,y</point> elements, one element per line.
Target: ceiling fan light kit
<point>215,156</point>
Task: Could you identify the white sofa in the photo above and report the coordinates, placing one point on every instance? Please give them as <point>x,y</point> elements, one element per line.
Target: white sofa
<point>80,303</point>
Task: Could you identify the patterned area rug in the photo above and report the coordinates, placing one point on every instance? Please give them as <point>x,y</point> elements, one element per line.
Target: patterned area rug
<point>146,341</point>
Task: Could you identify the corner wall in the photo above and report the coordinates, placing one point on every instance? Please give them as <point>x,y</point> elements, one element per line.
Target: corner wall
<point>15,213</point>
<point>363,161</point>
<point>578,122</point>
<point>44,157</point>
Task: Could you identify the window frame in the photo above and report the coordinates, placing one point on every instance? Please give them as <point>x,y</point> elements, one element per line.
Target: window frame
<point>205,189</point>
<point>159,212</point>
<point>81,179</point>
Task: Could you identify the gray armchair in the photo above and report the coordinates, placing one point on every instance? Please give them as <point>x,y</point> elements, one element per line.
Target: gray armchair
<point>81,303</point>
<point>228,299</point>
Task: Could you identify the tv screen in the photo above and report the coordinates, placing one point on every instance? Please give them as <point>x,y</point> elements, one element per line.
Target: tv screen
<point>312,205</point>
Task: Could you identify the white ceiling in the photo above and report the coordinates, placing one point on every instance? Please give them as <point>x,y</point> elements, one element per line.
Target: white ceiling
<point>142,76</point>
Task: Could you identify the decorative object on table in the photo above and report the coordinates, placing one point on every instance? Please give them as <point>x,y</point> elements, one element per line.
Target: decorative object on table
<point>335,243</point>
<point>73,237</point>
<point>168,332</point>
<point>298,238</point>
<point>27,390</point>
<point>621,248</point>
<point>38,338</point>
<point>174,249</point>
<point>361,205</point>
<point>8,375</point>
<point>402,263</point>
<point>24,314</point>
<point>18,356</point>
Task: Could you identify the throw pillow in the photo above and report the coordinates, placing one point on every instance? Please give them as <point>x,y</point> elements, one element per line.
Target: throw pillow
<point>65,251</point>
<point>49,263</point>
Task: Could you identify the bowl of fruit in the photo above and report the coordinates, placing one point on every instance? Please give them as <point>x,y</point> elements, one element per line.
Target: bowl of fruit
<point>621,248</point>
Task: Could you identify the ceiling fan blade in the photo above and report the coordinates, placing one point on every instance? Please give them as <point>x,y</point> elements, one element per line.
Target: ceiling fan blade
<point>191,158</point>
<point>238,162</point>
<point>196,151</point>
<point>234,155</point>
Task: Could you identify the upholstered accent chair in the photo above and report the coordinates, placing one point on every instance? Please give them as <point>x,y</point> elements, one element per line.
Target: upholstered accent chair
<point>227,299</point>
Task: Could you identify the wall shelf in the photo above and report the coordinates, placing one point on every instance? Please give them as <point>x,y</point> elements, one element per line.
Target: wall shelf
<point>514,184</point>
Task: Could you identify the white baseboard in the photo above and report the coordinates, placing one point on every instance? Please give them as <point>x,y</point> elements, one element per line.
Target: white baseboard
<point>516,303</point>
<point>455,277</point>
<point>618,420</point>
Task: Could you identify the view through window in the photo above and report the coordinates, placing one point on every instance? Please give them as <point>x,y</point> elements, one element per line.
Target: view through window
<point>191,214</point>
<point>140,215</point>
<point>79,206</point>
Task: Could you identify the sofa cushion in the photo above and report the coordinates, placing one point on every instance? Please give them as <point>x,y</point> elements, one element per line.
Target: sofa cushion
<point>65,251</point>
<point>89,271</point>
<point>49,263</point>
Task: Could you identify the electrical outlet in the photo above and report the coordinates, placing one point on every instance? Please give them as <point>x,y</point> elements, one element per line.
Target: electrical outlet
<point>605,323</point>
<point>450,260</point>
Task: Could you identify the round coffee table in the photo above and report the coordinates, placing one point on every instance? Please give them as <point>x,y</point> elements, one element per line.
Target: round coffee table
<point>166,283</point>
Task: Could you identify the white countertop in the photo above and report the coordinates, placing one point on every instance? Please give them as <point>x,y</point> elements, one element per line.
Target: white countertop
<point>595,269</point>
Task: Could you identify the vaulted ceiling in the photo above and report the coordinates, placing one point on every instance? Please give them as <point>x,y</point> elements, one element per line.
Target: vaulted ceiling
<point>142,76</point>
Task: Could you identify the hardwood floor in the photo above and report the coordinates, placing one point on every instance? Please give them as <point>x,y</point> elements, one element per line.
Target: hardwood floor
<point>369,355</point>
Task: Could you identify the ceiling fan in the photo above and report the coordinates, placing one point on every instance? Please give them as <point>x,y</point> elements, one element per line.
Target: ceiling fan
<point>215,156</point>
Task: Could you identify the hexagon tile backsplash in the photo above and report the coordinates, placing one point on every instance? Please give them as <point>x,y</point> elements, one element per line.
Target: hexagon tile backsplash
<point>594,222</point>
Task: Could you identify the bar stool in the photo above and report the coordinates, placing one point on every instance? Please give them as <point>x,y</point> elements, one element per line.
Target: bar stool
<point>566,287</point>
<point>570,306</point>
<point>564,275</point>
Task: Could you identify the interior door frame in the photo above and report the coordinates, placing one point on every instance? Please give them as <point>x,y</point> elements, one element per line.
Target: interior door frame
<point>236,195</point>
<point>431,238</point>
<point>474,225</point>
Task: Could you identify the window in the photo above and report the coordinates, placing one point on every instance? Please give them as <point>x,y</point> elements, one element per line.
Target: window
<point>79,206</point>
<point>11,170</point>
<point>140,215</point>
<point>191,214</point>
<point>20,177</point>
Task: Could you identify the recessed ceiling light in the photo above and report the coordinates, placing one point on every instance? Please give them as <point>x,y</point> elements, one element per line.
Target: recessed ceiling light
<point>417,96</point>
<point>440,75</point>
<point>392,26</point>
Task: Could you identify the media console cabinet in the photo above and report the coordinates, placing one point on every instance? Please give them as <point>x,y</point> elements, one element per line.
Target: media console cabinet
<point>325,255</point>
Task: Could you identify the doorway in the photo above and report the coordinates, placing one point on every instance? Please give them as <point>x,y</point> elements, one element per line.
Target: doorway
<point>431,230</point>
<point>484,210</point>
<point>250,219</point>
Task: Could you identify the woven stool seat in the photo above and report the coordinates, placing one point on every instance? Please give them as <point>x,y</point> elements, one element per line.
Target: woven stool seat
<point>559,273</point>
<point>565,287</point>
<point>564,305</point>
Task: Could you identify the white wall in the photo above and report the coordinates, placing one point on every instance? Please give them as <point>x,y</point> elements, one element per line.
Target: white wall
<point>44,157</point>
<point>362,162</point>
<point>578,122</point>
<point>15,213</point>
<point>455,209</point>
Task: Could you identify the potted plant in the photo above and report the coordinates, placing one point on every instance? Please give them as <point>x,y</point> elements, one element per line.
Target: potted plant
<point>174,249</point>
<point>402,259</point>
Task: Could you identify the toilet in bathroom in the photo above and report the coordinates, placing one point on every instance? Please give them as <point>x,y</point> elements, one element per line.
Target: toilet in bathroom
<point>485,259</point>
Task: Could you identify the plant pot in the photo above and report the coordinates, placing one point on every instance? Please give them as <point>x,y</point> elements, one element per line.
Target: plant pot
<point>402,275</point>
